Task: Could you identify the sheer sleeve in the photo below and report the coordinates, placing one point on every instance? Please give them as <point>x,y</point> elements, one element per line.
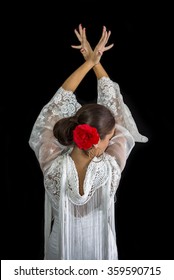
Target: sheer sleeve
<point>109,95</point>
<point>46,147</point>
<point>120,145</point>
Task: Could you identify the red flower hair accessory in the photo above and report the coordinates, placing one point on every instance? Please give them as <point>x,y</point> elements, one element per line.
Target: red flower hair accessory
<point>84,136</point>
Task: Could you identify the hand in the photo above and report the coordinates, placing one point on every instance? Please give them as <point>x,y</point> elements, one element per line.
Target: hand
<point>85,47</point>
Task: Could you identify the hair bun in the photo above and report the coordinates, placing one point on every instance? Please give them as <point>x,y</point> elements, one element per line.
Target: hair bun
<point>74,119</point>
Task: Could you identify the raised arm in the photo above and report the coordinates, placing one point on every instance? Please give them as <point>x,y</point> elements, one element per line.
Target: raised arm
<point>92,60</point>
<point>86,49</point>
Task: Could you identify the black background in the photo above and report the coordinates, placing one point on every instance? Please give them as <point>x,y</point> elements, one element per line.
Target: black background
<point>38,58</point>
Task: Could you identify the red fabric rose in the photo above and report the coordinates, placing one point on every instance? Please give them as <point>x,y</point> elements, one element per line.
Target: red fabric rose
<point>84,136</point>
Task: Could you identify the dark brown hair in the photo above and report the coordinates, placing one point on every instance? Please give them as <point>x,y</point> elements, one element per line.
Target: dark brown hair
<point>95,115</point>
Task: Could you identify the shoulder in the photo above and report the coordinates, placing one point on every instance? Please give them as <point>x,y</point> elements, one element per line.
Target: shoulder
<point>56,166</point>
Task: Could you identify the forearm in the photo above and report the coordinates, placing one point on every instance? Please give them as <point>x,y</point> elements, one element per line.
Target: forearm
<point>100,71</point>
<point>72,82</point>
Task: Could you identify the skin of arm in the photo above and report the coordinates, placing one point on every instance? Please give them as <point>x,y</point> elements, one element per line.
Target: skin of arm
<point>100,71</point>
<point>72,82</point>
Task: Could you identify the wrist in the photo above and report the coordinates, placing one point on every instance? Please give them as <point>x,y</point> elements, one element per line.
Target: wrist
<point>99,71</point>
<point>97,65</point>
<point>90,63</point>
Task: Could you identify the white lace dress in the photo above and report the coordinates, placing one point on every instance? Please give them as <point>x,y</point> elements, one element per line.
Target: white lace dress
<point>82,226</point>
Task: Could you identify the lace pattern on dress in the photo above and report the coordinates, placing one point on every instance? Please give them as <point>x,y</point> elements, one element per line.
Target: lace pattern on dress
<point>63,104</point>
<point>109,95</point>
<point>42,141</point>
<point>96,176</point>
<point>115,175</point>
<point>52,181</point>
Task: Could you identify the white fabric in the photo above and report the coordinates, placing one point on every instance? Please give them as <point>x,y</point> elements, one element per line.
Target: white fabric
<point>110,96</point>
<point>82,226</point>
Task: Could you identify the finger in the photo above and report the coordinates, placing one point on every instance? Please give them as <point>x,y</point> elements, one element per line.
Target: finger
<point>108,47</point>
<point>108,35</point>
<point>103,34</point>
<point>78,35</point>
<point>76,47</point>
<point>83,35</point>
<point>104,31</point>
<point>80,29</point>
<point>105,39</point>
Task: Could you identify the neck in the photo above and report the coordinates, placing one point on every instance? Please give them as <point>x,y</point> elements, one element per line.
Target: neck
<point>80,157</point>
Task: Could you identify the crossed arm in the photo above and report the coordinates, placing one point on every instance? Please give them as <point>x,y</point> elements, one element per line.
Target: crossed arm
<point>92,58</point>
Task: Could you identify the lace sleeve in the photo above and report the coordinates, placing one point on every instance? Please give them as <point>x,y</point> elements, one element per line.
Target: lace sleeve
<point>109,95</point>
<point>42,141</point>
<point>120,145</point>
